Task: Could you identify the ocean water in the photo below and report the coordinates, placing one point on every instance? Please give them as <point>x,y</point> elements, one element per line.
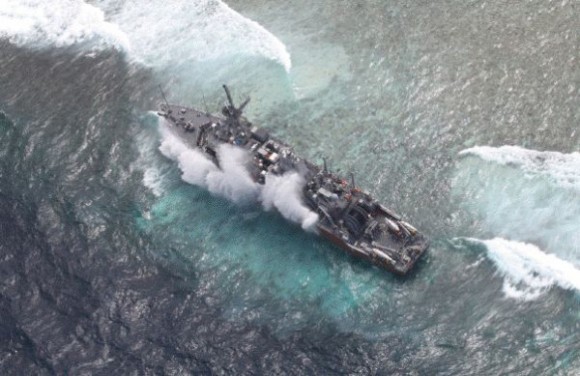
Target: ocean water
<point>118,257</point>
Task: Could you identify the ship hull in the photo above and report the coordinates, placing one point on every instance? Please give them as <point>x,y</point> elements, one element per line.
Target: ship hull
<point>348,217</point>
<point>353,251</point>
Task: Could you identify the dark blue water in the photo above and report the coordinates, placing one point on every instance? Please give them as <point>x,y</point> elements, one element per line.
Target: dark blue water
<point>111,264</point>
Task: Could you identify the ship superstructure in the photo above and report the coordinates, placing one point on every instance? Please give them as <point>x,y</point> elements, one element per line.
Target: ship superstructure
<point>348,216</point>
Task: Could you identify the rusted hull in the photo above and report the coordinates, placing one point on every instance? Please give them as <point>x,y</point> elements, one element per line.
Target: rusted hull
<point>341,243</point>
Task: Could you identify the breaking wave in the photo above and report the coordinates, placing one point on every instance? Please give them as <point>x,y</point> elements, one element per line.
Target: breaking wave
<point>232,181</point>
<point>183,31</point>
<point>524,195</point>
<point>528,271</point>
<point>64,23</point>
<point>157,34</point>
<point>283,193</point>
<point>562,169</point>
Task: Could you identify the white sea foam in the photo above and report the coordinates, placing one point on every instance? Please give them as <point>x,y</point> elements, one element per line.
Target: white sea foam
<point>283,193</point>
<point>194,165</point>
<point>563,169</point>
<point>524,195</point>
<point>63,23</point>
<point>146,163</point>
<point>183,31</point>
<point>528,271</point>
<point>152,180</point>
<point>158,34</point>
<point>232,180</point>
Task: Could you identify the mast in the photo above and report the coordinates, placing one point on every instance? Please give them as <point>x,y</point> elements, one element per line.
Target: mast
<point>164,98</point>
<point>241,108</point>
<point>231,111</point>
<point>229,97</point>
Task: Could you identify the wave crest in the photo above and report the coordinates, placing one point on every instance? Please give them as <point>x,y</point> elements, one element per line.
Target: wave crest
<point>64,23</point>
<point>167,34</point>
<point>156,34</point>
<point>524,195</point>
<point>563,169</point>
<point>528,271</point>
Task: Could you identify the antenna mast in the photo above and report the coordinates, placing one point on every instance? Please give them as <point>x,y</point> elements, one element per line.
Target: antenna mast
<point>164,98</point>
<point>229,97</point>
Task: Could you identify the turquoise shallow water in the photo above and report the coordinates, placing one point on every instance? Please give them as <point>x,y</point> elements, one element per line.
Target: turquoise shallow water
<point>112,263</point>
